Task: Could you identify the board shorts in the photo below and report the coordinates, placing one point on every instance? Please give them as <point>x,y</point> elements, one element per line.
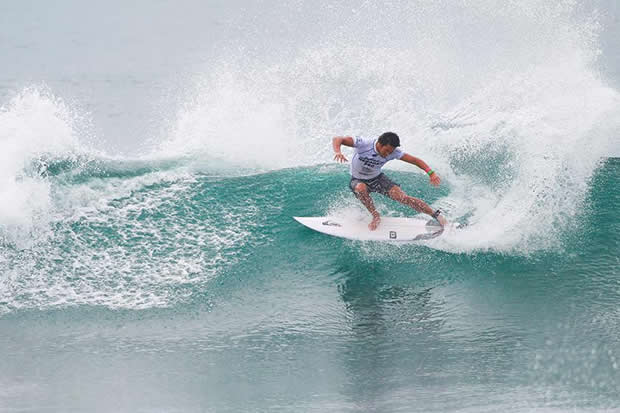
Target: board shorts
<point>381,184</point>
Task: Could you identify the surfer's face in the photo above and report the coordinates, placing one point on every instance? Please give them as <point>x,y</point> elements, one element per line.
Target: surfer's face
<point>384,150</point>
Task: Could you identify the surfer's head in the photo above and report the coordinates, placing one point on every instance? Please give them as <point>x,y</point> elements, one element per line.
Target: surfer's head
<point>387,142</point>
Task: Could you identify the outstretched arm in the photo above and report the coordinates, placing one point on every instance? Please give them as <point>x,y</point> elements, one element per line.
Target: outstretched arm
<point>339,141</point>
<point>435,180</point>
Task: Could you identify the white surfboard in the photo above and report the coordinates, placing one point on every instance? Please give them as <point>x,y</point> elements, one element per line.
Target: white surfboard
<point>394,229</point>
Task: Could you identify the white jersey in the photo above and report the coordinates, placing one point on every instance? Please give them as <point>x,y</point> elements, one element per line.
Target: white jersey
<point>367,162</point>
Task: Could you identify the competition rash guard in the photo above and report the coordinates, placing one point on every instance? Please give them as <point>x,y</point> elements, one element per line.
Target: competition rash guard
<point>367,162</point>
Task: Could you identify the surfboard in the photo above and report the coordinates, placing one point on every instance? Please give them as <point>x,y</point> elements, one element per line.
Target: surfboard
<point>391,229</point>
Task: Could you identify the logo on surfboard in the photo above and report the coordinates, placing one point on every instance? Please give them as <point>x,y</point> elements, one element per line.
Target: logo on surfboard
<point>331,223</point>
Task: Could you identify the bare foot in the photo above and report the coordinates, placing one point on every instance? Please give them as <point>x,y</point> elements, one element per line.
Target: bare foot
<point>376,219</point>
<point>442,221</point>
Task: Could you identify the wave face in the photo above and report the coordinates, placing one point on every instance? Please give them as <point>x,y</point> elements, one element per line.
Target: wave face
<point>184,262</point>
<point>142,234</point>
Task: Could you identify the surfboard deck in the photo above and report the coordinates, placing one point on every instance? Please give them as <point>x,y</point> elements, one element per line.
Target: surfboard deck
<point>391,229</point>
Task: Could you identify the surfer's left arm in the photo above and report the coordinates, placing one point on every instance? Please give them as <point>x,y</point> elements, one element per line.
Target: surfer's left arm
<point>435,180</point>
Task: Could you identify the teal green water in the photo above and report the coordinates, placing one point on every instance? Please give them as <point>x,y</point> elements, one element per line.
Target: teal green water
<point>153,154</point>
<point>193,291</point>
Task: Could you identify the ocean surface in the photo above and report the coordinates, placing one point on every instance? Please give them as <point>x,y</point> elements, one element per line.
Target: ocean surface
<point>153,154</point>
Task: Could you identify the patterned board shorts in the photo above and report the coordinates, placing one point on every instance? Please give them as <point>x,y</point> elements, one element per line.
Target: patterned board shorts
<point>381,184</point>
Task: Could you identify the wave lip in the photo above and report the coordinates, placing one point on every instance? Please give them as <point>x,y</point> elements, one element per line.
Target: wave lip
<point>34,126</point>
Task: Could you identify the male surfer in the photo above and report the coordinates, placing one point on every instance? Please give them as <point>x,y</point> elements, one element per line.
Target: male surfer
<point>366,176</point>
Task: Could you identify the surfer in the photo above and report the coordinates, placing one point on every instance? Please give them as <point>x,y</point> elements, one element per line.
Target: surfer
<point>366,176</point>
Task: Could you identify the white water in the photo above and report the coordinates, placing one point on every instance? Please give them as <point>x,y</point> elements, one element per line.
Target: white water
<point>33,125</point>
<point>504,101</point>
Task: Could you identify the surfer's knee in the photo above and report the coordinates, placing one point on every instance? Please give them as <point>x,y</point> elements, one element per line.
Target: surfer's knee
<point>397,194</point>
<point>361,189</point>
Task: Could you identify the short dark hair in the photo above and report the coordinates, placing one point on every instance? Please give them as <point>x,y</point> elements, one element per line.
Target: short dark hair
<point>389,138</point>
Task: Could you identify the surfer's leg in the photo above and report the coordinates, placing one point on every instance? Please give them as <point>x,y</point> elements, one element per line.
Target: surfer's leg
<point>399,195</point>
<point>361,192</point>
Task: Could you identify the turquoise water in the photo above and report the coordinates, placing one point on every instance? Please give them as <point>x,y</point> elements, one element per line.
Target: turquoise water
<point>201,293</point>
<point>152,157</point>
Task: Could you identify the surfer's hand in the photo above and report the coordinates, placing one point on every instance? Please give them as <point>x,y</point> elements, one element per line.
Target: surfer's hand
<point>435,180</point>
<point>340,158</point>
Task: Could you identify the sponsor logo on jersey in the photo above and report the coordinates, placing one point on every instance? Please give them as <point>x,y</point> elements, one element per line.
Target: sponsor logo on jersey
<point>371,163</point>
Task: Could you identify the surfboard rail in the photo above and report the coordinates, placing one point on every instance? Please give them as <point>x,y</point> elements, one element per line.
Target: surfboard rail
<point>391,229</point>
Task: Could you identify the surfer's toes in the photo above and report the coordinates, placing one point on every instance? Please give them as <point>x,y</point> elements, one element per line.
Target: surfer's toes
<point>442,221</point>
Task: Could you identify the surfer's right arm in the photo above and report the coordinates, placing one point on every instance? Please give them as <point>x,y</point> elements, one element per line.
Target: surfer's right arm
<point>337,142</point>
